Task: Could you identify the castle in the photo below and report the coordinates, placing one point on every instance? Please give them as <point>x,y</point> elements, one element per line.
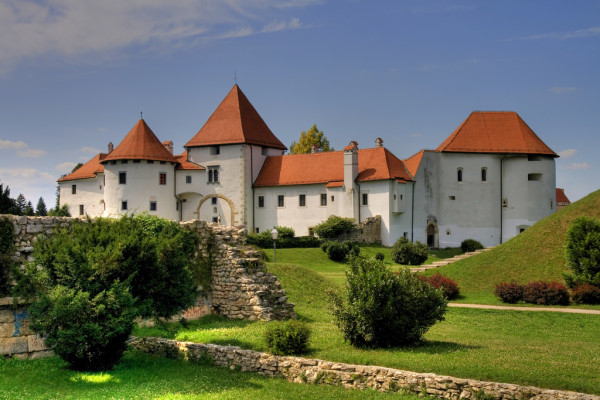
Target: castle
<point>489,180</point>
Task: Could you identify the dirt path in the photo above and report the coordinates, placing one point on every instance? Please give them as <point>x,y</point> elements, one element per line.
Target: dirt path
<point>549,309</point>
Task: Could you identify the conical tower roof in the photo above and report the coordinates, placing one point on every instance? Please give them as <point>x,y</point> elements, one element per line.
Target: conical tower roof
<point>495,132</point>
<point>140,144</point>
<point>235,121</point>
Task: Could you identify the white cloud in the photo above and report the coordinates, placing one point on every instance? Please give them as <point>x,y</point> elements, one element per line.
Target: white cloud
<point>581,33</point>
<point>7,144</point>
<point>567,153</point>
<point>31,153</point>
<point>563,89</point>
<point>75,29</point>
<point>577,166</point>
<point>27,173</point>
<point>66,166</point>
<point>91,150</point>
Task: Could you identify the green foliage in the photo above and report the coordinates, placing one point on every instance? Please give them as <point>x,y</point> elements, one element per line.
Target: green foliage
<point>139,266</point>
<point>285,232</point>
<point>60,211</point>
<point>379,256</point>
<point>337,251</point>
<point>583,251</point>
<point>287,338</point>
<point>7,204</point>
<point>6,248</point>
<point>40,209</point>
<point>406,253</point>
<point>285,239</point>
<point>383,309</point>
<point>469,245</point>
<point>308,139</point>
<point>334,226</point>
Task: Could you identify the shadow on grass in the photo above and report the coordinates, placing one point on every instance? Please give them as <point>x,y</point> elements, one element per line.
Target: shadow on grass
<point>438,347</point>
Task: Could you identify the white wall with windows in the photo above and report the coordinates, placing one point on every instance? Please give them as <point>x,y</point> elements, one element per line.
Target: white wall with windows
<point>85,195</point>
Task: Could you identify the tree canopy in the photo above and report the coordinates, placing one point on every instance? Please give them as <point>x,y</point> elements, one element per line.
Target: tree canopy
<point>308,139</point>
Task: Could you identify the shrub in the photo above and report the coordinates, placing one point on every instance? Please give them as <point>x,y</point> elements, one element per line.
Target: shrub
<point>509,292</point>
<point>6,248</point>
<point>337,251</point>
<point>469,245</point>
<point>334,226</point>
<point>383,309</point>
<point>547,293</point>
<point>448,286</point>
<point>379,256</point>
<point>325,246</point>
<point>95,279</point>
<point>285,232</point>
<point>406,253</point>
<point>583,252</point>
<point>265,241</point>
<point>287,338</point>
<point>585,294</point>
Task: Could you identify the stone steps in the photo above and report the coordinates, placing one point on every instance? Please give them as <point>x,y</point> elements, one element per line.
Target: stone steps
<point>441,263</point>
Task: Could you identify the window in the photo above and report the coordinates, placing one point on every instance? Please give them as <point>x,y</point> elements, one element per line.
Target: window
<point>81,212</point>
<point>365,199</point>
<point>302,200</point>
<point>152,206</point>
<point>280,201</point>
<point>150,162</point>
<point>124,205</point>
<point>188,179</point>
<point>122,178</point>
<point>256,230</point>
<point>261,201</point>
<point>459,174</point>
<point>534,158</point>
<point>214,150</point>
<point>213,174</point>
<point>113,162</point>
<point>323,199</point>
<point>123,161</point>
<point>452,197</point>
<point>215,219</point>
<point>534,177</point>
<point>162,178</point>
<point>136,161</point>
<point>265,151</point>
<point>213,201</point>
<point>483,174</point>
<point>73,189</point>
<point>163,162</point>
<point>332,198</point>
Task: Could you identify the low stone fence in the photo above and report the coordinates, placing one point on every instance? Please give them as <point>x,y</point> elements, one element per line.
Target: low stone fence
<point>304,370</point>
<point>368,231</point>
<point>16,339</point>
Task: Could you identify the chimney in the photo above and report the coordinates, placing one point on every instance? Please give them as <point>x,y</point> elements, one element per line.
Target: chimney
<point>378,142</point>
<point>169,146</point>
<point>314,148</point>
<point>350,165</point>
<point>111,147</point>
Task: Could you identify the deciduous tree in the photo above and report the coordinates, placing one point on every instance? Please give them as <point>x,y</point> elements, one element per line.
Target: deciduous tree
<point>308,139</point>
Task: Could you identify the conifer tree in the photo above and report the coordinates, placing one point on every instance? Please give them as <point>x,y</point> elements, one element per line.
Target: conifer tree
<point>40,209</point>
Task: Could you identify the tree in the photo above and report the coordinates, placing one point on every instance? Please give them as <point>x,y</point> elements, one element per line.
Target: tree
<point>60,211</point>
<point>7,204</point>
<point>308,139</point>
<point>583,252</point>
<point>40,209</point>
<point>29,211</point>
<point>76,167</point>
<point>21,204</point>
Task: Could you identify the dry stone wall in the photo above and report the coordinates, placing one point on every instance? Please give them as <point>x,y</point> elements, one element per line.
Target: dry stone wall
<point>241,287</point>
<point>368,231</point>
<point>304,370</point>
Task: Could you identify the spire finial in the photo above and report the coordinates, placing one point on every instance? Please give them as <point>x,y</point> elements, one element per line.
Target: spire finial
<point>141,112</point>
<point>235,76</point>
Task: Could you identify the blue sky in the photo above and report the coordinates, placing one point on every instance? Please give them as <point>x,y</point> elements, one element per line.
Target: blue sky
<point>75,74</point>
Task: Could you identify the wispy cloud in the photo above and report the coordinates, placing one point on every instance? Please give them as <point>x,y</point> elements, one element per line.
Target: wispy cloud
<point>577,166</point>
<point>578,34</point>
<point>567,153</point>
<point>31,153</point>
<point>27,173</point>
<point>563,89</point>
<point>77,29</point>
<point>91,150</point>
<point>8,144</point>
<point>66,166</point>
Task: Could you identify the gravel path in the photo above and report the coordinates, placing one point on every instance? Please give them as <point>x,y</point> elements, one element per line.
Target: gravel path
<point>550,309</point>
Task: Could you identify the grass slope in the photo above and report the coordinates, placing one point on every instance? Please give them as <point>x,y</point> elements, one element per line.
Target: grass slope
<point>536,254</point>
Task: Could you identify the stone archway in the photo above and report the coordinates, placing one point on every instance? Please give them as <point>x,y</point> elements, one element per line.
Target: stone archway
<point>227,208</point>
<point>432,234</point>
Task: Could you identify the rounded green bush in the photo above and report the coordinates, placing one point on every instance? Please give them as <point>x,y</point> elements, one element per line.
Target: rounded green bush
<point>379,256</point>
<point>337,251</point>
<point>469,245</point>
<point>334,226</point>
<point>406,253</point>
<point>287,338</point>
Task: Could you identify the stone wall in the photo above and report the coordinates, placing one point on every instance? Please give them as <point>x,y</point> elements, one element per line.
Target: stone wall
<point>16,339</point>
<point>241,287</point>
<point>304,370</point>
<point>368,231</point>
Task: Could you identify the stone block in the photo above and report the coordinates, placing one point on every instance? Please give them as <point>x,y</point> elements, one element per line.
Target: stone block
<point>7,329</point>
<point>14,345</point>
<point>36,343</point>
<point>7,316</point>
<point>40,354</point>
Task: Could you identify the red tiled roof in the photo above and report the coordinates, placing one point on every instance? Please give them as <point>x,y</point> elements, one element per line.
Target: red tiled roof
<point>140,144</point>
<point>561,197</point>
<point>88,170</point>
<point>335,184</point>
<point>185,164</point>
<point>495,132</point>
<point>235,121</point>
<point>412,163</point>
<point>328,167</point>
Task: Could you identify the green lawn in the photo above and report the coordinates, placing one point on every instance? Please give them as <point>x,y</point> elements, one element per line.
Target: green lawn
<point>140,376</point>
<point>542,349</point>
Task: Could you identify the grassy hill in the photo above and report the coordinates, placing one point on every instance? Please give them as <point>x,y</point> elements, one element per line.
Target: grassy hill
<point>536,254</point>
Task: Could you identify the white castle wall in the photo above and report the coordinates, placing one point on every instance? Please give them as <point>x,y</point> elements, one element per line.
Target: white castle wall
<point>89,193</point>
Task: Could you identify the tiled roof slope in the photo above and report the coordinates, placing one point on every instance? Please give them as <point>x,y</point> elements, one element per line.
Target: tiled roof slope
<point>88,170</point>
<point>495,132</point>
<point>140,144</point>
<point>235,121</point>
<point>185,164</point>
<point>561,197</point>
<point>302,169</point>
<point>412,163</point>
